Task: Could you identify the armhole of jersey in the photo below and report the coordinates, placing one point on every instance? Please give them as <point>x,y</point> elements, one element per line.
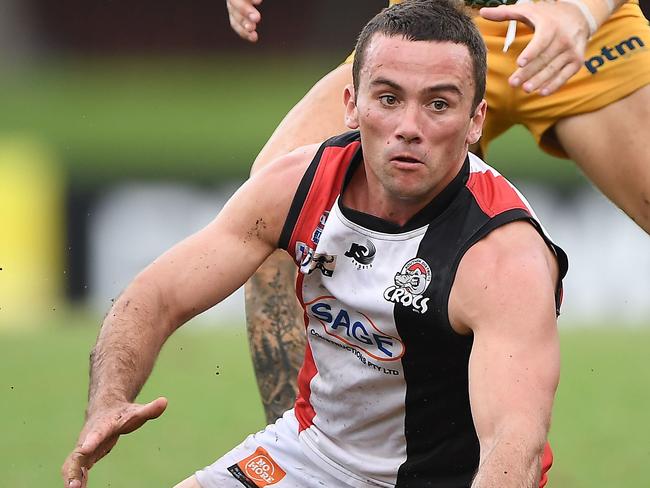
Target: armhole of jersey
<point>299,200</point>
<point>494,223</point>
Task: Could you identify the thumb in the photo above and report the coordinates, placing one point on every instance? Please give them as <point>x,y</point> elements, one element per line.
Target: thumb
<point>142,413</point>
<point>154,409</point>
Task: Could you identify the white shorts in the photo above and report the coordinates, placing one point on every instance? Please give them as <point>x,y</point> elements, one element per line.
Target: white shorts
<point>272,457</point>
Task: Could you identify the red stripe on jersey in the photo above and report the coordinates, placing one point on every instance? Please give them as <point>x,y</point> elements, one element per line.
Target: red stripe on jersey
<point>547,462</point>
<point>493,193</point>
<point>304,411</point>
<point>323,191</point>
<point>329,176</point>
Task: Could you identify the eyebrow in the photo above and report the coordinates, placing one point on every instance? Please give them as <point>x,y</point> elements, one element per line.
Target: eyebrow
<point>448,87</point>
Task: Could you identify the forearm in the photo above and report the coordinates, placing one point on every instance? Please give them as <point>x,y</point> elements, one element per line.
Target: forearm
<point>275,333</point>
<point>129,341</point>
<point>513,460</point>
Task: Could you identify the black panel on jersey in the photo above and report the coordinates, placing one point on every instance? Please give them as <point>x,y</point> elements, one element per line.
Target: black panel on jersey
<point>306,182</point>
<point>442,448</point>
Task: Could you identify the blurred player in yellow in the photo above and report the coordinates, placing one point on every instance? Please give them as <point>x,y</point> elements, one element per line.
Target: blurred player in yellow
<point>576,73</point>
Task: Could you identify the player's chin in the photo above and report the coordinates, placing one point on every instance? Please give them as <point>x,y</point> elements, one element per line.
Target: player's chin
<point>409,189</point>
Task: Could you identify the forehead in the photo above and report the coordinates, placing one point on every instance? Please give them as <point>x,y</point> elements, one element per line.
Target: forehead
<point>423,61</point>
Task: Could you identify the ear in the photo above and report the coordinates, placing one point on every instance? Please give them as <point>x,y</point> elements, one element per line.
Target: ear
<point>351,114</point>
<point>476,123</point>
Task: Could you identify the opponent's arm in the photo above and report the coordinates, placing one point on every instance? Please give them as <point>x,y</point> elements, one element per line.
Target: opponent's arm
<point>557,49</point>
<point>504,295</point>
<point>189,278</point>
<point>244,17</point>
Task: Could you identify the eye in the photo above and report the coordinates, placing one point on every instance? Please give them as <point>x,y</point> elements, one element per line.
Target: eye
<point>388,100</point>
<point>439,105</point>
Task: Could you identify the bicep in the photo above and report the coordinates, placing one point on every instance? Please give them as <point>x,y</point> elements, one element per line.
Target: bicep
<point>208,266</point>
<point>513,377</point>
<point>509,305</point>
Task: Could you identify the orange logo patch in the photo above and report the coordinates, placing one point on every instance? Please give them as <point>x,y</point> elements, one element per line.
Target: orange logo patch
<point>260,468</point>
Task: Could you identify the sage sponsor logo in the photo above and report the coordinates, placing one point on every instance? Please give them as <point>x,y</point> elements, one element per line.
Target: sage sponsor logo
<point>355,329</point>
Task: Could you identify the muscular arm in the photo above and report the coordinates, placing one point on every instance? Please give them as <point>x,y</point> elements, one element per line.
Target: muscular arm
<point>189,278</point>
<point>504,294</point>
<point>273,315</point>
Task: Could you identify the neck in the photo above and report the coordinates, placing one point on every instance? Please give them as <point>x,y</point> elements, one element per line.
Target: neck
<point>364,194</point>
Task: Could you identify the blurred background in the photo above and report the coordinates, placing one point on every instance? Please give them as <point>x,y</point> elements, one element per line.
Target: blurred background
<point>125,126</point>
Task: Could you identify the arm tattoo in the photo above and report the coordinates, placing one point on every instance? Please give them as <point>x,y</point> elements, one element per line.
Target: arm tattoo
<point>275,333</point>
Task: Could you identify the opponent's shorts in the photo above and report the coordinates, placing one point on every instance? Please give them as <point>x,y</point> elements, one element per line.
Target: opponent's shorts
<point>272,457</point>
<point>617,63</point>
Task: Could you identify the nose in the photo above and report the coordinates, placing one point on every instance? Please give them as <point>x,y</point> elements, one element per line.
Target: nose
<point>409,127</point>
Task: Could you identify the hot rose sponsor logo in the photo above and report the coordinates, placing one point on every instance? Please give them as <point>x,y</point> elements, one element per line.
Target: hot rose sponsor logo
<point>354,329</point>
<point>410,283</point>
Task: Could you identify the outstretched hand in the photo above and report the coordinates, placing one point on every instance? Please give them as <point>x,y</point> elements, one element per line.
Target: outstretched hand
<point>100,433</point>
<point>557,49</point>
<point>244,18</point>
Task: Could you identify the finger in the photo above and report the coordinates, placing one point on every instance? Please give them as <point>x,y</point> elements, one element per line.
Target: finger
<point>538,47</point>
<point>508,12</point>
<point>547,62</point>
<point>242,32</point>
<point>139,414</point>
<point>550,71</point>
<point>244,11</point>
<point>84,477</point>
<point>565,73</point>
<point>154,409</point>
<point>97,435</point>
<point>72,471</point>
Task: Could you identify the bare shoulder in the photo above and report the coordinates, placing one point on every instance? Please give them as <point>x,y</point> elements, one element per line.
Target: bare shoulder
<point>268,193</point>
<point>288,168</point>
<point>512,267</point>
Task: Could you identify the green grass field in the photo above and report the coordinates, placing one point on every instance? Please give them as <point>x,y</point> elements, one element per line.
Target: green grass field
<point>600,431</point>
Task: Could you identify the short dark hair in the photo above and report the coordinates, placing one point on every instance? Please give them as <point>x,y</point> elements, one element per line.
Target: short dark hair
<point>427,20</point>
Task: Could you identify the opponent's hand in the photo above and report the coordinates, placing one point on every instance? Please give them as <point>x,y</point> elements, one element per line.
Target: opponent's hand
<point>557,49</point>
<point>244,18</point>
<point>100,433</point>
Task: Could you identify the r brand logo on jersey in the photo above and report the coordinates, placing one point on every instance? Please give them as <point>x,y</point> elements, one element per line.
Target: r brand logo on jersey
<point>362,256</point>
<point>410,283</point>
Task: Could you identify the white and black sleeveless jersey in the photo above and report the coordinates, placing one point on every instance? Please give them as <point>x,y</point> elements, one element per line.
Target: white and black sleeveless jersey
<point>383,390</point>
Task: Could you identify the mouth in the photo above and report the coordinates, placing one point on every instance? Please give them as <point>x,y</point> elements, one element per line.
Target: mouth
<point>405,158</point>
